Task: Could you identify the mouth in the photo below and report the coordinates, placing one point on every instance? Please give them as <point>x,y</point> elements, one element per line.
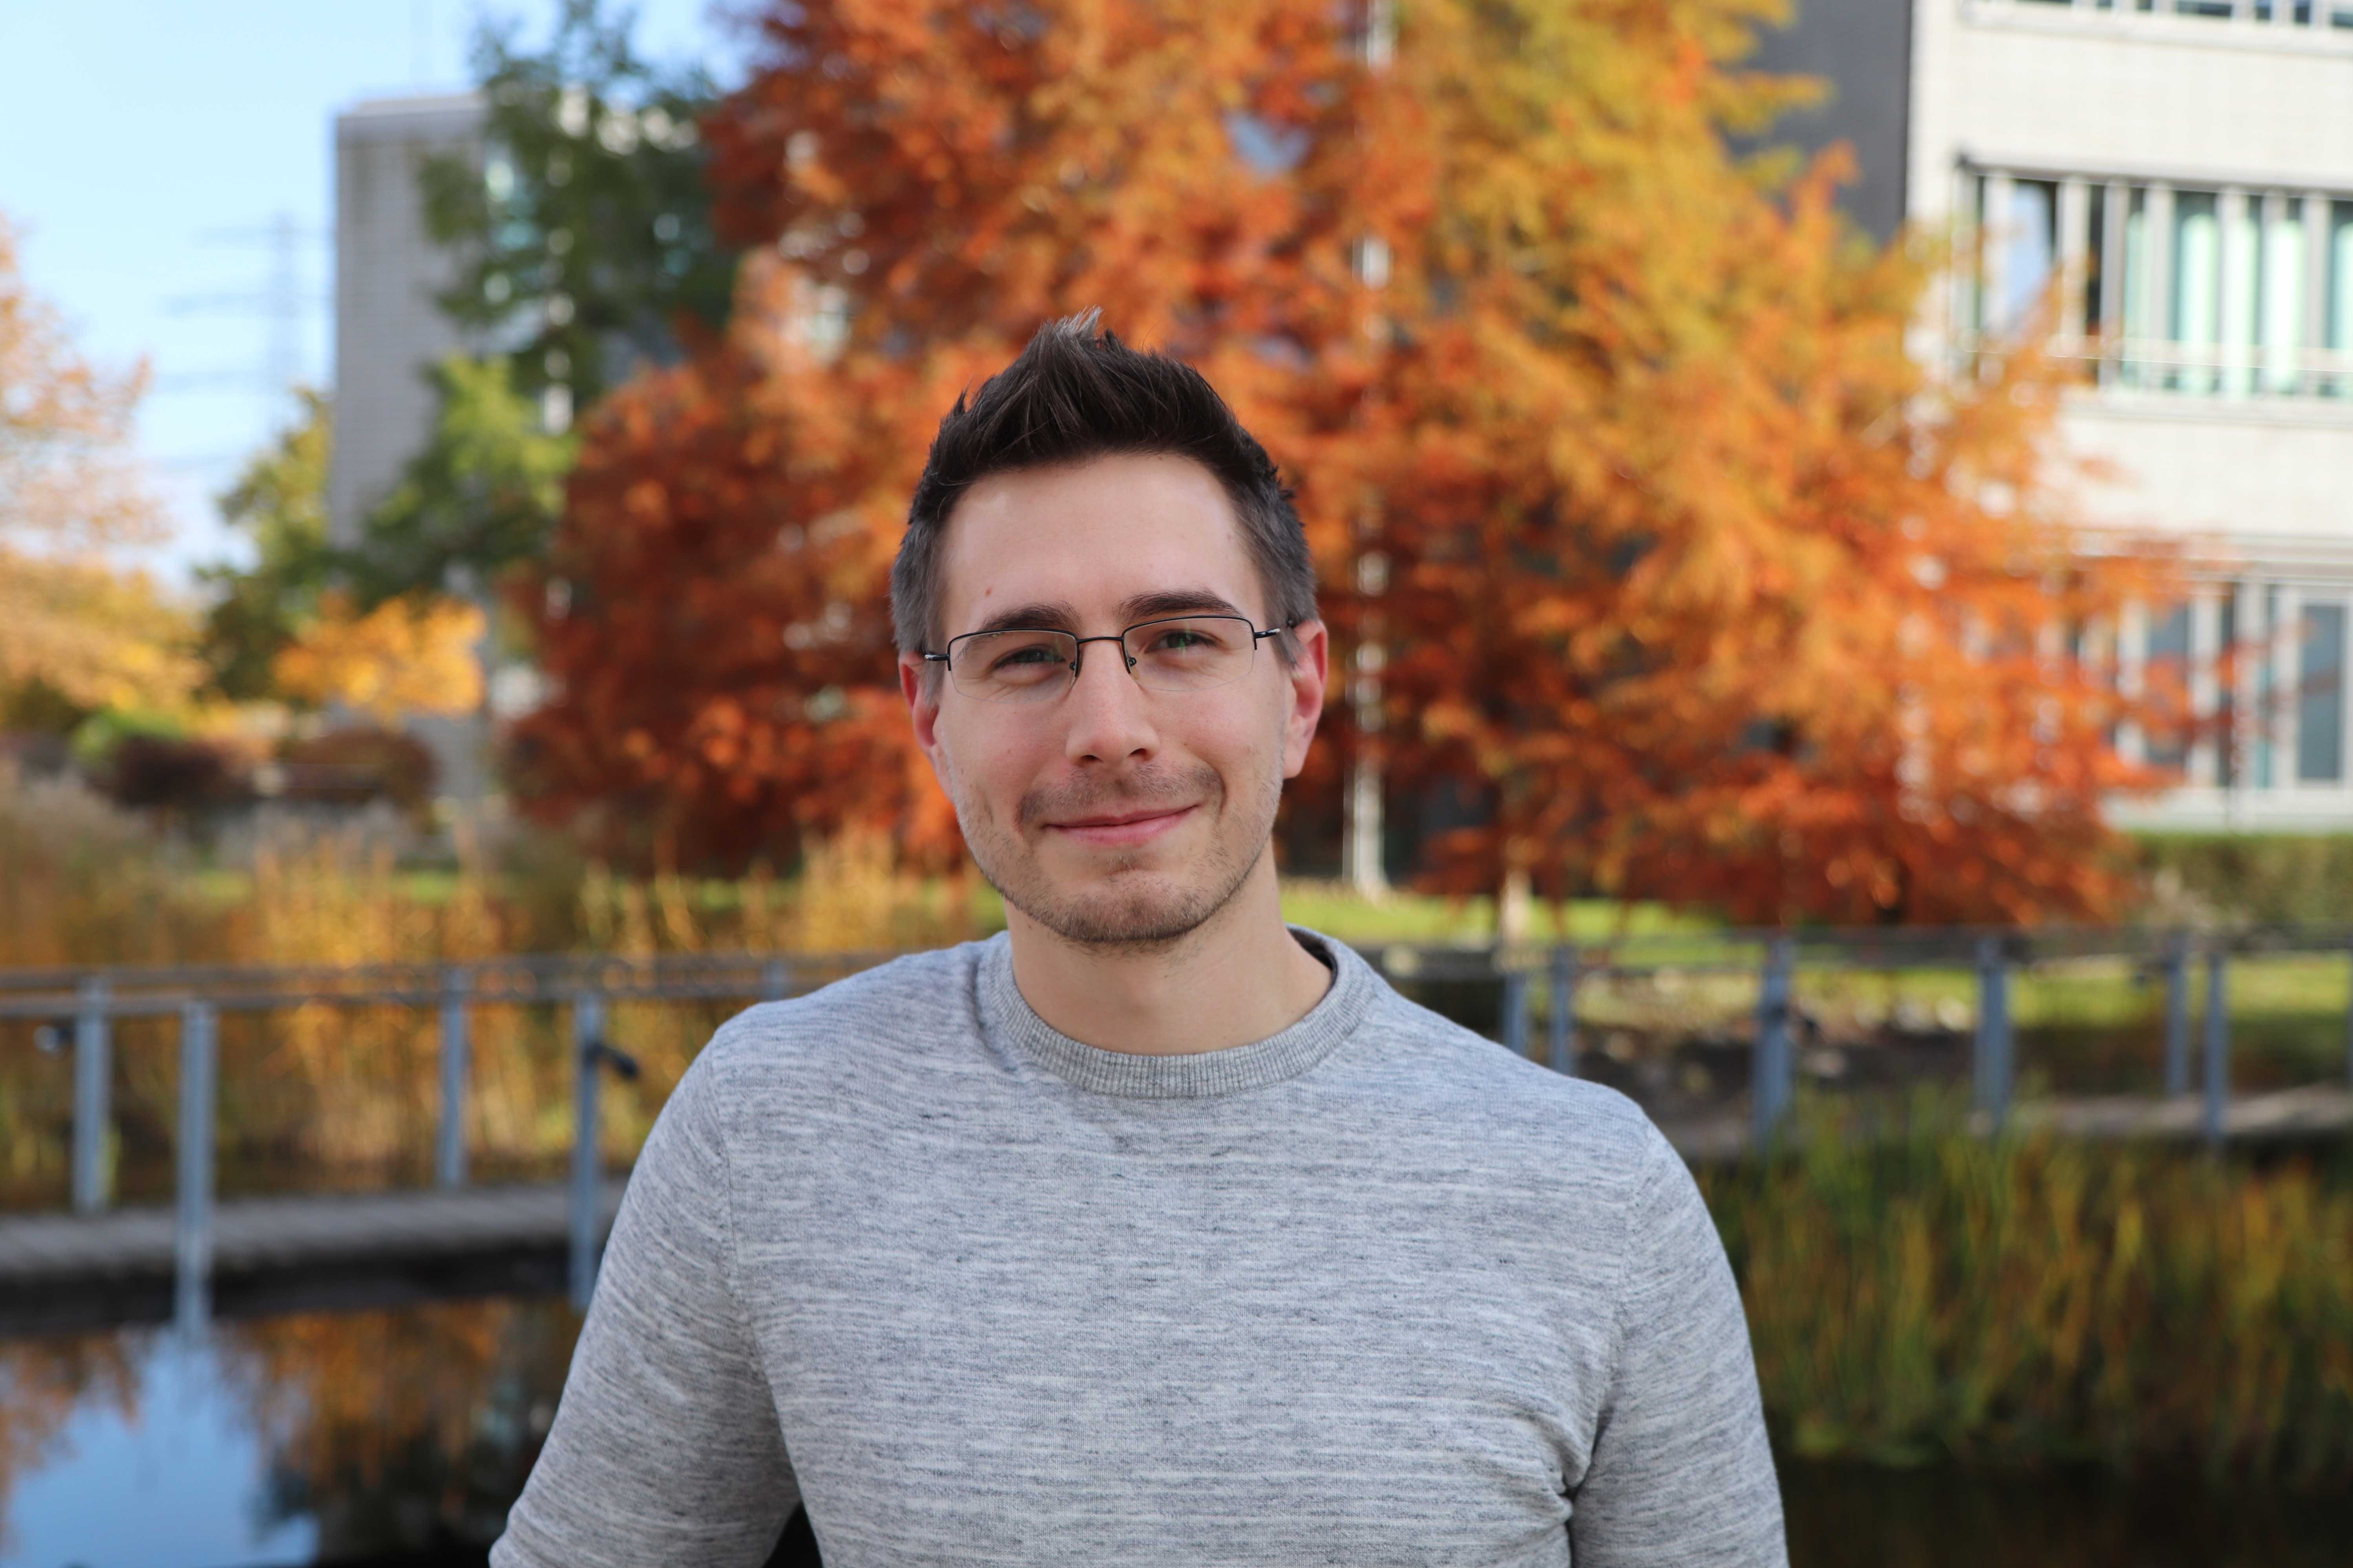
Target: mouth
<point>1117,830</point>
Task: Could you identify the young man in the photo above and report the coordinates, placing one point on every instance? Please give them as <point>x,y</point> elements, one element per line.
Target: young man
<point>1152,1232</point>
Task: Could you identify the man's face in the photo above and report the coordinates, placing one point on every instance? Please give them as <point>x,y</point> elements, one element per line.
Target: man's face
<point>1110,813</point>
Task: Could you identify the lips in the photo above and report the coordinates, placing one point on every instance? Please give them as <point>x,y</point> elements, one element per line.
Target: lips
<point>1120,829</point>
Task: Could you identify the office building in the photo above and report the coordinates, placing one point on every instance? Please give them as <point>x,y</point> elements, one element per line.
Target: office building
<point>2166,188</point>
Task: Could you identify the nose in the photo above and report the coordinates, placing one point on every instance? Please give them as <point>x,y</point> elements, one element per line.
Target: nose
<point>1108,714</point>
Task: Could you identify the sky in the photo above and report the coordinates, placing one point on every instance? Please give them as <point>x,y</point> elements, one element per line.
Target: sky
<point>148,146</point>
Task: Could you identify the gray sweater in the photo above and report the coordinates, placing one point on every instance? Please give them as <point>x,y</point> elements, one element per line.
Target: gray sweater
<point>1372,1291</point>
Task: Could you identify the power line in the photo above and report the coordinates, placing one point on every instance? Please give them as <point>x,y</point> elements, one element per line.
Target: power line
<point>281,302</point>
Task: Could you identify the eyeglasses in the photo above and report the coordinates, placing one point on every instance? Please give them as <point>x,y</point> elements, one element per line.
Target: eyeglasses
<point>1034,664</point>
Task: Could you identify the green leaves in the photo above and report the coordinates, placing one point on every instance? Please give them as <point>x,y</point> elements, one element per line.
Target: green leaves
<point>482,496</point>
<point>583,232</point>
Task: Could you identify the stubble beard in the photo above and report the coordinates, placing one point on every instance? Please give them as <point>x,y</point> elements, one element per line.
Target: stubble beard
<point>1127,907</point>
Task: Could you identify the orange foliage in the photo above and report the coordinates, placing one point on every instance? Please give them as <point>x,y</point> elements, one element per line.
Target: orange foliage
<point>404,656</point>
<point>1682,567</point>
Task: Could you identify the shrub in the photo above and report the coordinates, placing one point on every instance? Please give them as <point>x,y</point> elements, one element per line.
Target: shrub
<point>2014,1301</point>
<point>353,766</point>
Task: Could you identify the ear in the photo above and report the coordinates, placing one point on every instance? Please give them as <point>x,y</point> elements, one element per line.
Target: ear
<point>1306,677</point>
<point>922,689</point>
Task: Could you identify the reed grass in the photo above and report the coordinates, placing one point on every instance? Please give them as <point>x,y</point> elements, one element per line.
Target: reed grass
<point>1931,1295</point>
<point>343,1098</point>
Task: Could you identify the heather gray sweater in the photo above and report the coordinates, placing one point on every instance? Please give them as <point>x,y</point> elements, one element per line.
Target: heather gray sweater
<point>1372,1291</point>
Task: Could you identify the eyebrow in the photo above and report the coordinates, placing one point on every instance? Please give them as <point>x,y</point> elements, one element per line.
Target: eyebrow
<point>1054,617</point>
<point>1177,601</point>
<point>1060,617</point>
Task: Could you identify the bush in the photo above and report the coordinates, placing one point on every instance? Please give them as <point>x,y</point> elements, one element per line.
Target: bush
<point>2024,1301</point>
<point>352,766</point>
<point>2263,879</point>
<point>167,773</point>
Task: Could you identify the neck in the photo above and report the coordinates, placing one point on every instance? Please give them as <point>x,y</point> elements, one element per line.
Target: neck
<point>1237,977</point>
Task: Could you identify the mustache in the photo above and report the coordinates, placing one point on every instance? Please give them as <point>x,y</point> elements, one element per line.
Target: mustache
<point>1148,787</point>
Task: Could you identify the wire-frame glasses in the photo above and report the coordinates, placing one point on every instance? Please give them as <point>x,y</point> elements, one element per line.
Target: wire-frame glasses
<point>1037,665</point>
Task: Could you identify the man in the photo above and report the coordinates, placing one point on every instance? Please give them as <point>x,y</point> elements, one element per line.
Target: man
<point>1153,1231</point>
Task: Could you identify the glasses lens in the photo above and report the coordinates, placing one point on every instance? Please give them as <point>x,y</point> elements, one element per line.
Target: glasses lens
<point>1190,654</point>
<point>1012,666</point>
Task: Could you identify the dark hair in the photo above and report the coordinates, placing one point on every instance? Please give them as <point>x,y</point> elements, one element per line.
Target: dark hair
<point>1077,392</point>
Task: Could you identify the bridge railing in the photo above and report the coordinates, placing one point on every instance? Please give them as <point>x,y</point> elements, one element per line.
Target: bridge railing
<point>78,1008</point>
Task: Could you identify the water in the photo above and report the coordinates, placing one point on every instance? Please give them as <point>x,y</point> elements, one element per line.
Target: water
<point>177,1480</point>
<point>401,1436</point>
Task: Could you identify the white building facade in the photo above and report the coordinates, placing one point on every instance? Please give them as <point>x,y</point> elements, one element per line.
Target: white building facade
<point>2166,187</point>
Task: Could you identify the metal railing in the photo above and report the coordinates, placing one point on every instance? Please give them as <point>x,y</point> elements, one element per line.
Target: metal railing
<point>82,1006</point>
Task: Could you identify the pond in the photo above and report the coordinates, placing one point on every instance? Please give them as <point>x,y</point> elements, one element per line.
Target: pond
<point>400,1436</point>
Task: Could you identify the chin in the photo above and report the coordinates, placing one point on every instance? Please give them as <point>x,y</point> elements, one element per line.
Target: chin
<point>1126,908</point>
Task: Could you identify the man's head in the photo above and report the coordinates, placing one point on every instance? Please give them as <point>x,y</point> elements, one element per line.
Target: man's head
<point>1086,490</point>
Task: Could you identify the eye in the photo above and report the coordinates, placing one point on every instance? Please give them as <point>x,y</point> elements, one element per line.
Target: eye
<point>1035,653</point>
<point>1184,640</point>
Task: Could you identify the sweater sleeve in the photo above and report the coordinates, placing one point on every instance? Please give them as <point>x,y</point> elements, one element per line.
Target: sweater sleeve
<point>665,1448</point>
<point>1681,1472</point>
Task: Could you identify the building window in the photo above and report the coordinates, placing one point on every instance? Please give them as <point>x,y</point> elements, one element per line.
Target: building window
<point>2320,695</point>
<point>2167,678</point>
<point>2339,296</point>
<point>2244,293</point>
<point>2031,248</point>
<point>2197,270</point>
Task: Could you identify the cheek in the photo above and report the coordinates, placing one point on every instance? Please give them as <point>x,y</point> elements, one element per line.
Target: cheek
<point>988,767</point>
<point>1239,741</point>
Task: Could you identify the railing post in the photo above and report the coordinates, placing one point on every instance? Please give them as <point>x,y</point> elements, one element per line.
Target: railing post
<point>1769,1073</point>
<point>457,1042</point>
<point>192,1239</point>
<point>776,980</point>
<point>1515,1008</point>
<point>1563,1020</point>
<point>2177,1014</point>
<point>93,1118</point>
<point>587,1036</point>
<point>2218,1044</point>
<point>1992,1067</point>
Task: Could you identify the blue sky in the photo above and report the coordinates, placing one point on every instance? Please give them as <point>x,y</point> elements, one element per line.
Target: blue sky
<point>141,141</point>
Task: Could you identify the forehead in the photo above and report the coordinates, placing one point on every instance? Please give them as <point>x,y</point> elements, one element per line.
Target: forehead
<point>1091,535</point>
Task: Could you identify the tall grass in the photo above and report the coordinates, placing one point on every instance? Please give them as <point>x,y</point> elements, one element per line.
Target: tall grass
<point>1936,1294</point>
<point>334,1097</point>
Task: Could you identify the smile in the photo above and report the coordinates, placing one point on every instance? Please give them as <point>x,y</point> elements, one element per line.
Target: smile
<point>1120,829</point>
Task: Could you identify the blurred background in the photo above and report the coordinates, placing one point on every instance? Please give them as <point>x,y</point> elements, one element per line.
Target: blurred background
<point>1837,520</point>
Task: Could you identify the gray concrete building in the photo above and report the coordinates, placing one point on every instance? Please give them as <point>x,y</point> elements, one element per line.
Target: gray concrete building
<point>388,331</point>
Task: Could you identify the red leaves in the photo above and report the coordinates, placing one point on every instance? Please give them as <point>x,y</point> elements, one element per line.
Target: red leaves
<point>1622,463</point>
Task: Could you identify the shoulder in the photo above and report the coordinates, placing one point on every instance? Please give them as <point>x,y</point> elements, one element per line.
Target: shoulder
<point>920,1005</point>
<point>1472,1085</point>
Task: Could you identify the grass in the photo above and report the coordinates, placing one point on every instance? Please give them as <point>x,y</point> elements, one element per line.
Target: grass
<point>2029,1302</point>
<point>1336,910</point>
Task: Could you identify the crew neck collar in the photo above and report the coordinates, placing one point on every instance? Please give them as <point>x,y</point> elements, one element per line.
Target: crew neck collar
<point>1008,1014</point>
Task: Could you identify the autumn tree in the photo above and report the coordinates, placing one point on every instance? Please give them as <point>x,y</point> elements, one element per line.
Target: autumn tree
<point>297,625</point>
<point>707,614</point>
<point>1701,583</point>
<point>1672,560</point>
<point>715,627</point>
<point>74,628</point>
<point>278,503</point>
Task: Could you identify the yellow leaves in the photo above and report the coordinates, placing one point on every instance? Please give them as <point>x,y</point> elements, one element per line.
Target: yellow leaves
<point>68,488</point>
<point>68,484</point>
<point>101,637</point>
<point>402,657</point>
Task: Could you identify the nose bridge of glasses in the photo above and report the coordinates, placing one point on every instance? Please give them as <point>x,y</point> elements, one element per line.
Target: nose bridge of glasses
<point>1079,653</point>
